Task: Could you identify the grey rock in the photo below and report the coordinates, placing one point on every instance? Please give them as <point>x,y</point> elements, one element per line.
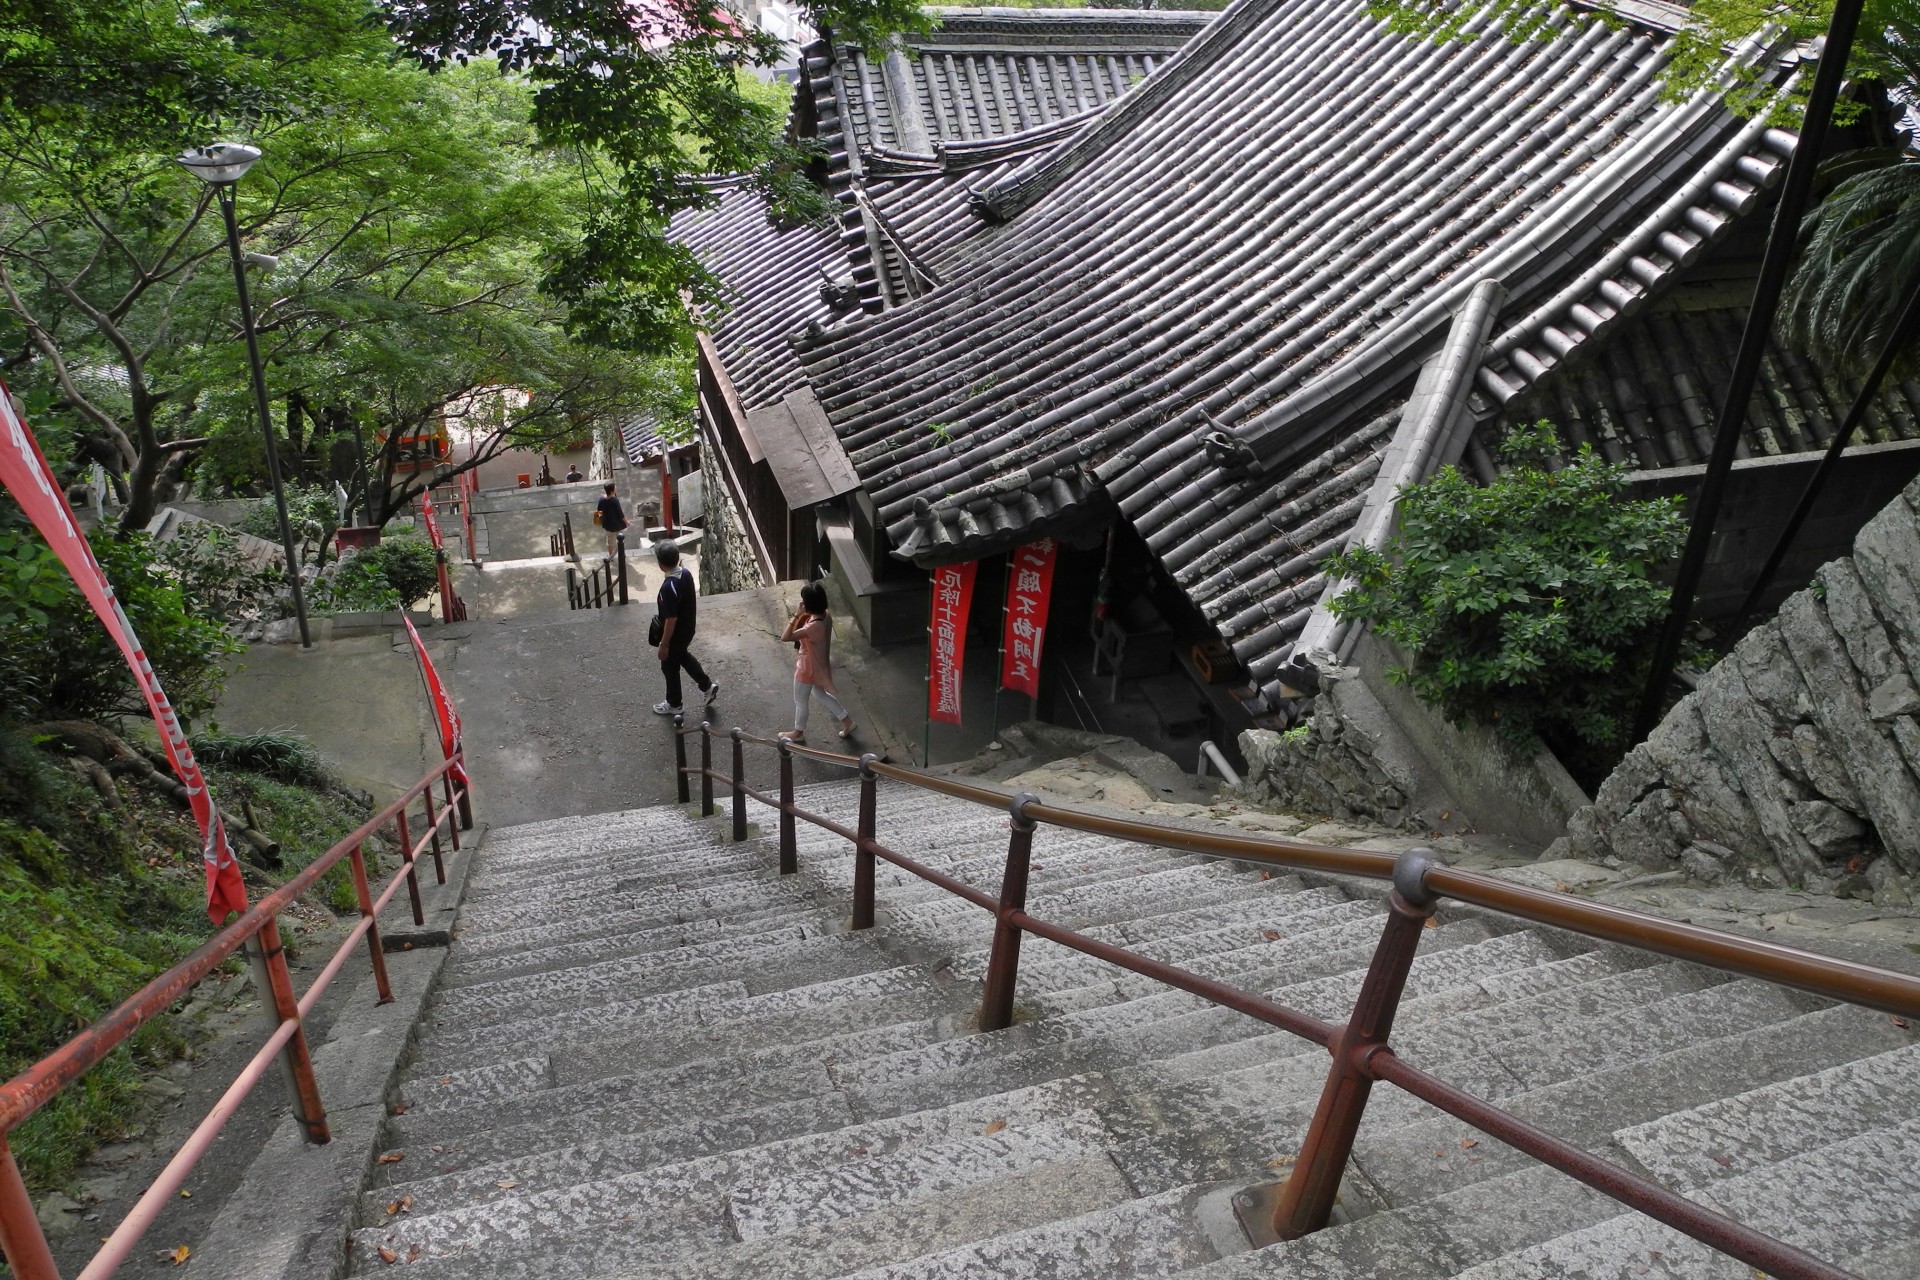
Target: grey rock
<point>57,1212</point>
<point>1886,555</point>
<point>1851,611</point>
<point>1702,865</point>
<point>1894,696</point>
<point>1831,831</point>
<point>1822,768</point>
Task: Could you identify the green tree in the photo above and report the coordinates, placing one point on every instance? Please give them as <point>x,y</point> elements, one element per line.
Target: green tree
<point>1523,603</point>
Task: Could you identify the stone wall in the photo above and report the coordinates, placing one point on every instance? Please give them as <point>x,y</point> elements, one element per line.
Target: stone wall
<point>726,557</point>
<point>1797,759</point>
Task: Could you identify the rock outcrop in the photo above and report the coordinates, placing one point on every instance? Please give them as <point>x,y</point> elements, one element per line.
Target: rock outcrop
<point>1797,759</point>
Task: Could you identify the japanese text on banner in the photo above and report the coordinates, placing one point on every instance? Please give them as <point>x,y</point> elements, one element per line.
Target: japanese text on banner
<point>1029,591</point>
<point>24,472</point>
<point>947,643</point>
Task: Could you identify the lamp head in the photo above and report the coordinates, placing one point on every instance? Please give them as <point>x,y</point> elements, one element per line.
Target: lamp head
<point>221,164</point>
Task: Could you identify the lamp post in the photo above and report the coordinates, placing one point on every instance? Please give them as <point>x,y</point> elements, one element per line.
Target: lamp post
<point>220,166</point>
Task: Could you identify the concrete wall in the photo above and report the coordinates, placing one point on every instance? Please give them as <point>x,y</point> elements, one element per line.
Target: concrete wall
<point>1374,751</point>
<point>1797,759</point>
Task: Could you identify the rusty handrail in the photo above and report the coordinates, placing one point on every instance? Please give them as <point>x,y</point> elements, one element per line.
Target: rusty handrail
<point>23,1240</point>
<point>1360,1047</point>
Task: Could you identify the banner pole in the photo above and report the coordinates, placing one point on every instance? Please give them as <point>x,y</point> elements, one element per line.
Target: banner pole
<point>1000,663</point>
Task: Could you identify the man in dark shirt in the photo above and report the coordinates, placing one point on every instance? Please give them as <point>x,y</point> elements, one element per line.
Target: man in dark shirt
<point>613,517</point>
<point>678,605</point>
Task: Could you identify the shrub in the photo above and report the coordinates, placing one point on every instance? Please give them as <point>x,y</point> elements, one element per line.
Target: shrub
<point>356,583</point>
<point>410,566</point>
<point>57,660</point>
<point>312,513</point>
<point>216,579</point>
<point>278,754</point>
<point>1528,603</point>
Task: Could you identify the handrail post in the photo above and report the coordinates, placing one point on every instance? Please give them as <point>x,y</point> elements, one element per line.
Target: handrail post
<point>413,872</point>
<point>1306,1202</point>
<point>566,523</point>
<point>573,590</point>
<point>465,793</point>
<point>706,768</point>
<point>439,867</point>
<point>620,541</point>
<point>1003,964</point>
<point>364,894</point>
<point>269,959</point>
<point>453,828</point>
<point>24,1243</point>
<point>789,853</point>
<point>739,786</point>
<point>863,847</point>
<point>680,756</point>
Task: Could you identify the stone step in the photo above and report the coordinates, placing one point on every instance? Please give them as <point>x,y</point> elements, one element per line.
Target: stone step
<point>1586,1108</point>
<point>1154,1235</point>
<point>633,923</point>
<point>767,961</point>
<point>669,904</point>
<point>471,970</point>
<point>1851,1203</point>
<point>1730,1137</point>
<point>447,1210</point>
<point>644,1036</point>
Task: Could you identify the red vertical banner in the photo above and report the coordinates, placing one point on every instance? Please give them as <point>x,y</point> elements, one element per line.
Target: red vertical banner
<point>444,712</point>
<point>24,472</point>
<point>426,514</point>
<point>1029,591</point>
<point>947,645</point>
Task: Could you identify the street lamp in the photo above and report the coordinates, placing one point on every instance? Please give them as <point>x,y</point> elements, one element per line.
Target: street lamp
<point>220,166</point>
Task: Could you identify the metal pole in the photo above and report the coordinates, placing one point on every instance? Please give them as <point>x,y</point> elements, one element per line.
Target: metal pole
<point>433,828</point>
<point>1306,1201</point>
<point>24,1243</point>
<point>225,197</point>
<point>680,757</point>
<point>1904,330</point>
<point>789,853</point>
<point>1753,346</point>
<point>364,894</point>
<point>1003,964</point>
<point>706,768</point>
<point>739,785</point>
<point>269,960</point>
<point>413,872</point>
<point>863,847</point>
<point>620,542</point>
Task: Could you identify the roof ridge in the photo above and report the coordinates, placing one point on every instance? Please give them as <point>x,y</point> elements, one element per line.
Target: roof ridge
<point>1021,189</point>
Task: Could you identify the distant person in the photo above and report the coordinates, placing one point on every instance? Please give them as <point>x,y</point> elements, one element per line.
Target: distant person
<point>611,517</point>
<point>811,632</point>
<point>573,474</point>
<point>678,607</point>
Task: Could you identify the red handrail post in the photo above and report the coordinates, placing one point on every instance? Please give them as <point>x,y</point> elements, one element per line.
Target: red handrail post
<point>680,757</point>
<point>453,828</point>
<point>1306,1202</point>
<point>413,872</point>
<point>1003,965</point>
<point>269,958</point>
<point>863,847</point>
<point>466,793</point>
<point>433,827</point>
<point>789,852</point>
<point>706,768</point>
<point>357,860</point>
<point>24,1243</point>
<point>739,786</point>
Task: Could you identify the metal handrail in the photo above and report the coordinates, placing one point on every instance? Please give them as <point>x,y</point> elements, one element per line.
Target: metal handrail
<point>255,930</point>
<point>1360,1046</point>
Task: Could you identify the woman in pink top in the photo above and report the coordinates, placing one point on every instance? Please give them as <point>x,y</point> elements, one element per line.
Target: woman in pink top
<point>811,632</point>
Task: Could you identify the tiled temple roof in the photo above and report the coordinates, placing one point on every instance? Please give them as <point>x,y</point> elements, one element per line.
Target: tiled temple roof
<point>1210,302</point>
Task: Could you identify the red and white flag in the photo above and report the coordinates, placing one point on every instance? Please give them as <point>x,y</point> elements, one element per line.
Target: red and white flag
<point>444,712</point>
<point>947,645</point>
<point>426,514</point>
<point>1029,591</point>
<point>24,471</point>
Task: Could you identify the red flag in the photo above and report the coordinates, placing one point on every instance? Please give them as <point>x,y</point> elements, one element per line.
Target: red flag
<point>433,526</point>
<point>24,471</point>
<point>1029,591</point>
<point>947,646</point>
<point>443,709</point>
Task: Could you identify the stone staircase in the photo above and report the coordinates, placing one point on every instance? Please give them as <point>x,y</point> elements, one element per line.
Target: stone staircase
<point>653,1057</point>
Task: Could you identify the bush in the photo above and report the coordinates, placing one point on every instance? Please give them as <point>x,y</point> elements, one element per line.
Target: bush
<point>355,584</point>
<point>281,755</point>
<point>57,660</point>
<point>1528,603</point>
<point>216,579</point>
<point>410,566</point>
<point>313,514</point>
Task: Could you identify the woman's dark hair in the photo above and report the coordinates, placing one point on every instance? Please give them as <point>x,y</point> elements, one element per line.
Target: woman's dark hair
<point>813,598</point>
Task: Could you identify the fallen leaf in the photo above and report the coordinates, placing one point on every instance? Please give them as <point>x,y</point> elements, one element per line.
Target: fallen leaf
<point>1266,875</point>
<point>400,1206</point>
<point>1444,1167</point>
<point>856,1151</point>
<point>185,1194</point>
<point>179,1253</point>
<point>1281,1162</point>
<point>1431,923</point>
<point>1468,1144</point>
<point>1723,1162</point>
<point>392,1157</point>
<point>446,1079</point>
<point>1561,886</point>
<point>388,1256</point>
<point>400,1110</point>
<point>996,1126</point>
<point>436,1147</point>
<point>1272,935</point>
<point>1445,814</point>
<point>1856,864</point>
<point>413,1253</point>
<point>506,1184</point>
<point>1900,1022</point>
